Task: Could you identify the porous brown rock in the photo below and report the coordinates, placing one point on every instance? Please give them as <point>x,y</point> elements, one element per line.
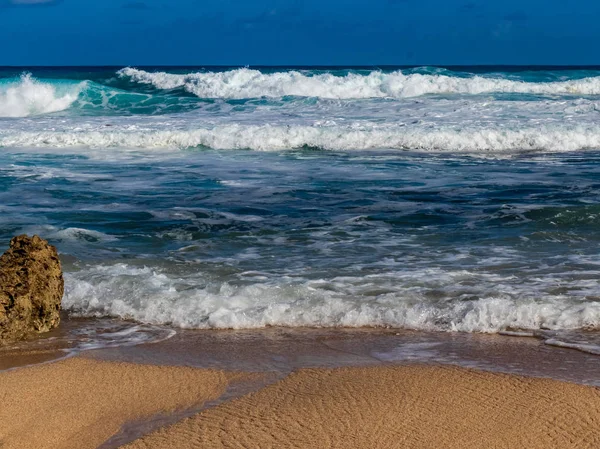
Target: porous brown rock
<point>31,288</point>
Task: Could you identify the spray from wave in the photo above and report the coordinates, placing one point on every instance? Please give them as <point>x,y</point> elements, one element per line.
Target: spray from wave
<point>248,83</point>
<point>28,96</point>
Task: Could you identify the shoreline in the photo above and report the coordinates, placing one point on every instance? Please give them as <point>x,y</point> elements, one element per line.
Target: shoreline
<point>212,373</point>
<point>282,349</point>
<point>358,203</point>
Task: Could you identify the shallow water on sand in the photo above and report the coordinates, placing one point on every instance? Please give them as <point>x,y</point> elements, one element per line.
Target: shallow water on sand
<point>280,351</point>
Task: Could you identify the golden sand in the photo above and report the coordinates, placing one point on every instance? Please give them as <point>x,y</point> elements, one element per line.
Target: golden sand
<point>396,407</point>
<point>79,403</point>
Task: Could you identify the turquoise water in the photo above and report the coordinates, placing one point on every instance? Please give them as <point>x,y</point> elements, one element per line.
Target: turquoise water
<point>426,109</point>
<point>422,198</point>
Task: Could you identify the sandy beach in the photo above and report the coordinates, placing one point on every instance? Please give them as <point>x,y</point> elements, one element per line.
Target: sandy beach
<point>396,407</point>
<point>81,403</point>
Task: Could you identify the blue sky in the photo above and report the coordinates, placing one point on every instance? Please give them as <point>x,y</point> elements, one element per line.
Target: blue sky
<point>284,32</point>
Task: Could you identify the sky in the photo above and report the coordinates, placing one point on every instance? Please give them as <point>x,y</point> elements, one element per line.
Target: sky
<point>298,32</point>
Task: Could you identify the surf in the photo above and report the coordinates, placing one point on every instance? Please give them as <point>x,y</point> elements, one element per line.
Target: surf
<point>27,96</point>
<point>484,141</point>
<point>250,83</point>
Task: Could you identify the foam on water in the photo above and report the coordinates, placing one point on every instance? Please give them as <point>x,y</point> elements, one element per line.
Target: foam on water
<point>287,137</point>
<point>583,347</point>
<point>356,111</point>
<point>69,234</point>
<point>27,97</point>
<point>151,295</point>
<point>248,83</point>
<point>76,336</point>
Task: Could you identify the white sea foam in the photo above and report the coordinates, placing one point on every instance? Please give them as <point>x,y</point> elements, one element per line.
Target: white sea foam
<point>69,234</point>
<point>583,347</point>
<point>248,83</point>
<point>31,97</point>
<point>363,137</point>
<point>151,296</point>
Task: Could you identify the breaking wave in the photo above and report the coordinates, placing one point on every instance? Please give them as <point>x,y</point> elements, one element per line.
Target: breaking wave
<point>286,137</point>
<point>139,92</point>
<point>27,96</point>
<point>248,83</point>
<point>150,296</point>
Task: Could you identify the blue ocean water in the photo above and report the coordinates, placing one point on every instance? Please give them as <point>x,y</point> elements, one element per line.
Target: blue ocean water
<point>459,199</point>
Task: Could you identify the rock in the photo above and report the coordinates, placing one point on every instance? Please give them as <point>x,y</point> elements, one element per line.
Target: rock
<point>31,288</point>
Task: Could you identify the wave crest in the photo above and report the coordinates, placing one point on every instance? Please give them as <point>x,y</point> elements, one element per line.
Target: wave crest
<point>29,97</point>
<point>248,83</point>
<point>278,138</point>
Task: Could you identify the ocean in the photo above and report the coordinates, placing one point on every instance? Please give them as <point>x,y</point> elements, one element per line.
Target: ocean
<point>463,199</point>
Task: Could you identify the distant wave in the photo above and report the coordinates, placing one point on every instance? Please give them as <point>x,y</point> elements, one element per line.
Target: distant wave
<point>27,96</point>
<point>138,92</point>
<point>277,138</point>
<point>248,83</point>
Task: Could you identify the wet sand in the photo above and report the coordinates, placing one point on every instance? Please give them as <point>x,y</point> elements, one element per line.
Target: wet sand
<point>304,388</point>
<point>284,350</point>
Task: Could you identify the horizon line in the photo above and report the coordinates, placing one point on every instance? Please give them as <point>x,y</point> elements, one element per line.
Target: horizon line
<point>341,66</point>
